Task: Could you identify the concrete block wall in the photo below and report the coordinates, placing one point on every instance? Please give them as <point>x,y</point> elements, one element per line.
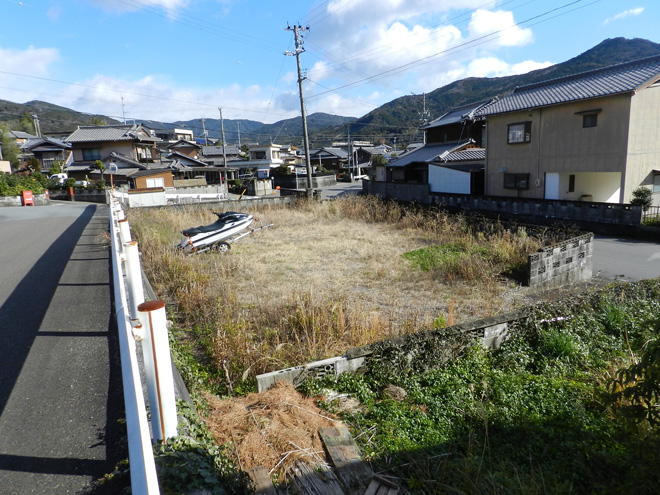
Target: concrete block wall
<point>39,200</point>
<point>412,349</point>
<point>567,262</point>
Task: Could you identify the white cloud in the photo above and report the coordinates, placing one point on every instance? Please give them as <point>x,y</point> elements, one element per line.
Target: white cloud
<point>37,59</point>
<point>171,6</point>
<point>626,13</point>
<point>484,23</point>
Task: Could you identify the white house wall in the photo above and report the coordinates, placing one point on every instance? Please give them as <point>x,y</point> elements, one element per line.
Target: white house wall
<point>445,180</point>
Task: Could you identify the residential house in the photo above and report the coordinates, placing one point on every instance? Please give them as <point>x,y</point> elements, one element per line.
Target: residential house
<point>330,158</point>
<point>22,137</point>
<point>215,155</point>
<point>133,142</point>
<point>151,179</point>
<point>185,148</point>
<point>437,161</point>
<point>593,136</point>
<point>48,150</point>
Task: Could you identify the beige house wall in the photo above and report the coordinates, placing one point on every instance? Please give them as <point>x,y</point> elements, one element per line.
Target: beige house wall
<point>559,143</point>
<point>643,140</point>
<point>124,148</point>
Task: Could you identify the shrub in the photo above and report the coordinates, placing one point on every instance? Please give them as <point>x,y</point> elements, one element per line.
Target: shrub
<point>642,196</point>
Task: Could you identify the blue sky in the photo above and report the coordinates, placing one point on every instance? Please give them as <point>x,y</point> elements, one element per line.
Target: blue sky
<point>181,59</point>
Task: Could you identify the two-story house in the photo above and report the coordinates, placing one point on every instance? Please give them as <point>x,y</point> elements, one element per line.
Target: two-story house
<point>593,136</point>
<point>91,143</point>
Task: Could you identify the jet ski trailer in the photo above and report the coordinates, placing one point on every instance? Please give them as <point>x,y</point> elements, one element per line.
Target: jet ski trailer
<point>227,229</point>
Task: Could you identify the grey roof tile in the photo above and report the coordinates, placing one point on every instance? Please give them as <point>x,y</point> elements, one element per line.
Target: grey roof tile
<point>607,81</point>
<point>110,133</point>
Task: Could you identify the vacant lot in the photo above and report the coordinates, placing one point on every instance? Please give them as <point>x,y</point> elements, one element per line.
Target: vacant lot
<point>327,277</point>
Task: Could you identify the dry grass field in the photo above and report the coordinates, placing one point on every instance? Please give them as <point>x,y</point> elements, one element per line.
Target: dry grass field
<point>326,277</point>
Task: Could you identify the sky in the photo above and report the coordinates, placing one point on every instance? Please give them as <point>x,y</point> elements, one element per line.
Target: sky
<point>172,60</point>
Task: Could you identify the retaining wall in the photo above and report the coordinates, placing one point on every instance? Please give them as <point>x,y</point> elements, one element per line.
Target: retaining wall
<point>567,262</point>
<point>39,200</point>
<point>410,351</point>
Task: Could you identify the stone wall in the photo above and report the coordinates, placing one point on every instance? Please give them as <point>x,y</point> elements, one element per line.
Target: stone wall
<point>567,262</point>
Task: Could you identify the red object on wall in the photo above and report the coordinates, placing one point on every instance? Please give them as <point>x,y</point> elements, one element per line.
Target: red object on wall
<point>28,198</point>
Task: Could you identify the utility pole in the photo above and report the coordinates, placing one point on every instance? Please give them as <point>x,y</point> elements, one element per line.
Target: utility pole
<point>238,125</point>
<point>300,49</point>
<point>123,114</point>
<point>222,130</point>
<point>206,134</point>
<point>37,129</point>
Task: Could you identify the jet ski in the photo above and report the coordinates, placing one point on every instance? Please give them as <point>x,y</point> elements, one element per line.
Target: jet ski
<point>218,235</point>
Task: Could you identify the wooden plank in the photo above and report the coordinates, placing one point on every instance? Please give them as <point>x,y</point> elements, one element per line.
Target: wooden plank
<point>353,472</point>
<point>381,486</point>
<point>263,485</point>
<point>317,481</point>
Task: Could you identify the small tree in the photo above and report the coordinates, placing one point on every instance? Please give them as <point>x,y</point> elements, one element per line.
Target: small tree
<point>98,164</point>
<point>26,124</point>
<point>56,167</point>
<point>9,150</point>
<point>642,196</point>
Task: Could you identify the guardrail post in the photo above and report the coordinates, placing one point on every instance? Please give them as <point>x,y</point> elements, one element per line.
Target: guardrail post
<point>158,369</point>
<point>134,276</point>
<point>124,231</point>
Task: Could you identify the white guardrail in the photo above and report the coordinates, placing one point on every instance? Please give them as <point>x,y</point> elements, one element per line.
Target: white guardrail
<point>144,322</point>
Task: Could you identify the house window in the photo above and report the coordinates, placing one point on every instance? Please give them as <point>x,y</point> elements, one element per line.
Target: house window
<point>656,183</point>
<point>590,120</point>
<point>157,182</point>
<point>519,133</point>
<point>571,183</point>
<point>516,181</point>
<point>90,154</point>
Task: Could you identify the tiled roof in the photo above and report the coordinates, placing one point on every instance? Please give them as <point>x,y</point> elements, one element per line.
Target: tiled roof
<point>456,115</point>
<point>470,154</point>
<point>425,153</point>
<point>217,150</point>
<point>86,134</point>
<point>607,81</point>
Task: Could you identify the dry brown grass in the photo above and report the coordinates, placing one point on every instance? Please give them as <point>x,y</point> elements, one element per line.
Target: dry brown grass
<point>327,277</point>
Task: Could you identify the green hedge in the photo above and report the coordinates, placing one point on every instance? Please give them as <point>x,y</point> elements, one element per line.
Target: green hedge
<point>13,185</point>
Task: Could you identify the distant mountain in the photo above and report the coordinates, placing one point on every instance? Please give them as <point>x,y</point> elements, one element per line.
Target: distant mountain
<point>283,131</point>
<point>403,116</point>
<point>52,118</point>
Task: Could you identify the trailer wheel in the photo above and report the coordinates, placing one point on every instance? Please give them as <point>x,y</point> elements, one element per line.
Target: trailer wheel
<point>222,247</point>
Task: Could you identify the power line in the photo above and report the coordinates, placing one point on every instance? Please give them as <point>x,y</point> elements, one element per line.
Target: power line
<point>430,58</point>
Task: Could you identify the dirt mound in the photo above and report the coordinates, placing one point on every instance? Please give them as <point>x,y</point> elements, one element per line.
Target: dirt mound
<point>272,429</point>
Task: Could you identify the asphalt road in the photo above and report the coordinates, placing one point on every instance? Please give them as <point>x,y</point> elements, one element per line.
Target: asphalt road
<point>60,392</point>
<point>625,259</point>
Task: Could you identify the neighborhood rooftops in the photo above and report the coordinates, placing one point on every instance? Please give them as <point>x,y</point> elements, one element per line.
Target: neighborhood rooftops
<point>606,81</point>
<point>134,132</point>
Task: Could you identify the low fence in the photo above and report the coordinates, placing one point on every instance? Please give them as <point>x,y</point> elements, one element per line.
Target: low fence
<point>408,193</point>
<point>564,263</point>
<point>609,218</point>
<point>652,214</point>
